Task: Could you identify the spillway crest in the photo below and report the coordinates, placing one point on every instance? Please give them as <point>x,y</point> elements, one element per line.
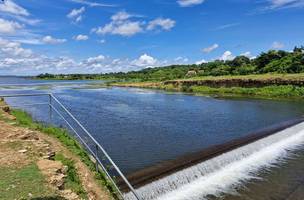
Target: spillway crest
<point>226,172</point>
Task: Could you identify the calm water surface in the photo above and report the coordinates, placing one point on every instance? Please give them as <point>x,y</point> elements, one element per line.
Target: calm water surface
<point>140,128</point>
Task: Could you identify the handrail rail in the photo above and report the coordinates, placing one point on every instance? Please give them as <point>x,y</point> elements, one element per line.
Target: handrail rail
<point>52,97</point>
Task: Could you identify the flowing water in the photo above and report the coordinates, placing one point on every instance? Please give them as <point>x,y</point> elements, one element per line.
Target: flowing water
<point>140,128</point>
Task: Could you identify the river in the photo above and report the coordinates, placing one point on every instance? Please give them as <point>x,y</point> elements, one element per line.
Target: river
<point>141,127</point>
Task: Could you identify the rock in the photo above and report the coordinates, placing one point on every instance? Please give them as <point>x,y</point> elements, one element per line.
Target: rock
<point>22,151</point>
<point>69,194</point>
<point>1,99</point>
<point>11,117</point>
<point>58,181</point>
<point>54,170</point>
<point>29,136</point>
<point>49,155</point>
<point>65,169</point>
<point>6,109</point>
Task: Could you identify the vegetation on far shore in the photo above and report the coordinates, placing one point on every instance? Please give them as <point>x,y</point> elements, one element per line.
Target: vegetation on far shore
<point>273,61</point>
<point>283,65</point>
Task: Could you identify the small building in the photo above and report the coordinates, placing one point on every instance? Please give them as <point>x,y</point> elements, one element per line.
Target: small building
<point>191,73</point>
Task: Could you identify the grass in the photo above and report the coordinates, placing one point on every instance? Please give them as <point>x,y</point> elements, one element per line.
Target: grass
<point>287,91</point>
<point>253,76</point>
<point>272,91</point>
<point>25,120</point>
<point>23,183</point>
<point>72,180</point>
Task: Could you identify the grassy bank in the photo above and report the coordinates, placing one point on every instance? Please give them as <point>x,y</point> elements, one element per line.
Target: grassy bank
<point>72,180</point>
<point>196,87</point>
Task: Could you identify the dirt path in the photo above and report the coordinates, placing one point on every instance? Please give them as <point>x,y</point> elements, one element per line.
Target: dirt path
<point>19,147</point>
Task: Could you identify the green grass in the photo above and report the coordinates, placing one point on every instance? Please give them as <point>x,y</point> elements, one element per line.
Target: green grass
<point>19,183</point>
<point>288,91</point>
<point>272,91</point>
<point>253,76</point>
<point>25,120</point>
<point>72,180</point>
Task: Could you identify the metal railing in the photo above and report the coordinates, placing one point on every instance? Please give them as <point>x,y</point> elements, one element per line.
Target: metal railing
<point>83,138</point>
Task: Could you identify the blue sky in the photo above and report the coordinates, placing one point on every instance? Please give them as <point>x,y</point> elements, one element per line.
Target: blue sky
<point>93,36</point>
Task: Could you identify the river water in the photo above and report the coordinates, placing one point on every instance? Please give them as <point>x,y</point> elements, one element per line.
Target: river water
<point>141,127</point>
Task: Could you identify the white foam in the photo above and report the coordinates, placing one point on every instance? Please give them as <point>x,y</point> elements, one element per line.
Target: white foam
<point>227,172</point>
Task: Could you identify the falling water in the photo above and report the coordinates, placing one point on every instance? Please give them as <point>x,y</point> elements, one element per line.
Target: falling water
<point>225,173</point>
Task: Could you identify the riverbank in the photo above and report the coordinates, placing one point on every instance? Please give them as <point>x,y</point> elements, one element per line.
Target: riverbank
<point>259,86</point>
<point>39,162</point>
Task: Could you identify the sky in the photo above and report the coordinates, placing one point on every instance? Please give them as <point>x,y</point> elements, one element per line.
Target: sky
<point>101,36</point>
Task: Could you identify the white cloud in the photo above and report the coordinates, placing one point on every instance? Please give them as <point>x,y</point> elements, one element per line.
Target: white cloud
<point>211,48</point>
<point>227,56</point>
<point>17,60</point>
<point>200,62</point>
<point>120,16</point>
<point>102,41</point>
<point>187,3</point>
<point>225,26</point>
<point>95,60</point>
<point>50,40</point>
<point>165,24</point>
<point>181,59</point>
<point>92,4</point>
<point>274,4</point>
<point>125,28</point>
<point>13,49</point>
<point>277,45</point>
<point>145,61</point>
<point>8,6</point>
<point>9,27</point>
<point>120,25</point>
<point>76,14</point>
<point>81,37</point>
<point>248,55</point>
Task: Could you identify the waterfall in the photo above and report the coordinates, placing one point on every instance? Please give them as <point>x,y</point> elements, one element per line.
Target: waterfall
<point>226,172</point>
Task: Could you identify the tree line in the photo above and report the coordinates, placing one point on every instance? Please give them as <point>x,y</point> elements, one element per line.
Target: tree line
<point>273,61</point>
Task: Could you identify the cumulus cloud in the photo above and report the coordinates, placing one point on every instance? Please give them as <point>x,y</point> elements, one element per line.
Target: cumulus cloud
<point>277,45</point>
<point>9,27</point>
<point>181,59</point>
<point>122,23</point>
<point>165,24</point>
<point>94,60</point>
<point>50,40</point>
<point>211,48</point>
<point>13,49</point>
<point>188,3</point>
<point>120,16</point>
<point>76,14</point>
<point>81,37</point>
<point>145,61</point>
<point>17,60</point>
<point>227,55</point>
<point>8,6</point>
<point>199,62</point>
<point>248,55</point>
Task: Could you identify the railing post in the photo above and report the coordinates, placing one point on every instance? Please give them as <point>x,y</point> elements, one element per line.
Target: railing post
<point>96,158</point>
<point>50,108</point>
